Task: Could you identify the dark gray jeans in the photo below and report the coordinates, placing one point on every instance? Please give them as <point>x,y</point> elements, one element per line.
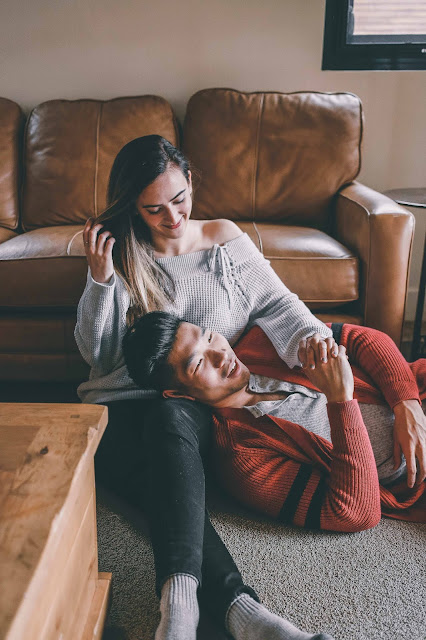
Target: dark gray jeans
<point>152,455</point>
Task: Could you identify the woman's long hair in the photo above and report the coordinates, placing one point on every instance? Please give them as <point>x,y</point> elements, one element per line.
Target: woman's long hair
<point>136,166</point>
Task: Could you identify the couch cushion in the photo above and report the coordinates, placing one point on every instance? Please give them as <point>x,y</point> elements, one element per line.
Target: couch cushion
<point>272,156</point>
<point>69,150</point>
<point>11,124</point>
<point>43,268</point>
<point>322,271</point>
<point>48,267</point>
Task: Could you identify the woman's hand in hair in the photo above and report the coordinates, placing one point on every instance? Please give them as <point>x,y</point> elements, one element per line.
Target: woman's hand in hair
<point>98,246</point>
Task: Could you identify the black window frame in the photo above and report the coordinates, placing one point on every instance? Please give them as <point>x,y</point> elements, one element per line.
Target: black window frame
<point>339,55</point>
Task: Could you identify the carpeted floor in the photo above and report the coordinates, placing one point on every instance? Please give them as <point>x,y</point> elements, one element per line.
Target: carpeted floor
<point>363,586</point>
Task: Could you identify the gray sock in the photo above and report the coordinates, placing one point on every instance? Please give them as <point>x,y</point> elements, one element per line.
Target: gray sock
<point>179,608</point>
<point>248,620</point>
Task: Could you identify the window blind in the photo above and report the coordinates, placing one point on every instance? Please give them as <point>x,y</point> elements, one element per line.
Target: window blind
<point>376,17</point>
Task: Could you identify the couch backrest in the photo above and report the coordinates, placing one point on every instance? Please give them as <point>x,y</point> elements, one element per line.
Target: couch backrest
<point>272,156</point>
<point>69,150</point>
<point>11,123</point>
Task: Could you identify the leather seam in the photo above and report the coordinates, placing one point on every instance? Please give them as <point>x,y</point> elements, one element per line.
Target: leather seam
<point>407,277</point>
<point>69,246</point>
<point>256,154</point>
<point>361,135</point>
<point>367,275</point>
<point>281,93</point>
<point>258,237</point>
<point>23,189</point>
<point>396,212</point>
<point>18,170</point>
<point>95,184</point>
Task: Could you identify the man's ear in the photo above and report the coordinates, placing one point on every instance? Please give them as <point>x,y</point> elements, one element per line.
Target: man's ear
<point>169,393</point>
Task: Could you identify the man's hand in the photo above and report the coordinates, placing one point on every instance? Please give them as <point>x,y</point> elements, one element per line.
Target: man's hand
<point>316,344</point>
<point>334,376</point>
<point>409,436</point>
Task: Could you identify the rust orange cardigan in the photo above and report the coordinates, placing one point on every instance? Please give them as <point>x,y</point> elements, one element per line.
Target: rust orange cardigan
<point>283,470</point>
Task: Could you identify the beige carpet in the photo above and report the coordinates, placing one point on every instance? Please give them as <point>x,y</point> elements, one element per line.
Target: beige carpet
<point>363,586</point>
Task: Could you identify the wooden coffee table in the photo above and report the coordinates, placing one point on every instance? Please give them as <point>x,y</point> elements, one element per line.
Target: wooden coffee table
<point>50,588</point>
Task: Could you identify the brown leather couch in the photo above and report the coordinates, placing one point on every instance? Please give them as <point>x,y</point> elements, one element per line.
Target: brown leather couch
<point>281,165</point>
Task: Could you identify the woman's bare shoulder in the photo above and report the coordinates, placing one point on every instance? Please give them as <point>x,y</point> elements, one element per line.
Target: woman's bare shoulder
<point>220,231</point>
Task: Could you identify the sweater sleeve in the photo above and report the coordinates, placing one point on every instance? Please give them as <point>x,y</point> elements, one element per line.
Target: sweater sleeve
<point>277,311</point>
<point>255,466</point>
<point>378,356</point>
<point>351,492</point>
<point>101,323</point>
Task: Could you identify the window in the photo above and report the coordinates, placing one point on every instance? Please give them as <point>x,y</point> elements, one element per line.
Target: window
<point>374,34</point>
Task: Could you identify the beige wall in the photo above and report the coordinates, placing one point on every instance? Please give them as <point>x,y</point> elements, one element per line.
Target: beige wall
<point>104,48</point>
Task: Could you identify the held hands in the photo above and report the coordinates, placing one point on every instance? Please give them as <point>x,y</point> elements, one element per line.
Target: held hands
<point>316,344</point>
<point>409,437</point>
<point>98,248</point>
<point>332,374</point>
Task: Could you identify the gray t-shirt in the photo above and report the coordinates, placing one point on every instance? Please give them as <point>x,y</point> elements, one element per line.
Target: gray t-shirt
<point>308,408</point>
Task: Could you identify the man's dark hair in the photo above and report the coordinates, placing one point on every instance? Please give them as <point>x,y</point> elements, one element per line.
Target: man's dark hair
<point>146,347</point>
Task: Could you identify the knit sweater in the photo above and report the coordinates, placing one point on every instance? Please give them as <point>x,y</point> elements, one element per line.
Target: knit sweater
<point>283,470</point>
<point>226,288</point>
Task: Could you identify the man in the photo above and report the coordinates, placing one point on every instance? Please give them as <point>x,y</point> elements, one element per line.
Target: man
<point>274,424</point>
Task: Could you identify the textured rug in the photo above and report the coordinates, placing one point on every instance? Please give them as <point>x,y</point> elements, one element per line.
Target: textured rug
<point>362,586</point>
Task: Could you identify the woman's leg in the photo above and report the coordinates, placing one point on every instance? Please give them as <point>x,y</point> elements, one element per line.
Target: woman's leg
<point>151,455</point>
<point>178,436</point>
<point>156,447</point>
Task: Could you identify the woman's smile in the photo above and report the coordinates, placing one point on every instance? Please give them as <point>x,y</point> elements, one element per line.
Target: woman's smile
<point>175,226</point>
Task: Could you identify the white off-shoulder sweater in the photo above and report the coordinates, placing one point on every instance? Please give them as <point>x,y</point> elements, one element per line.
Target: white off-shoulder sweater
<point>227,288</point>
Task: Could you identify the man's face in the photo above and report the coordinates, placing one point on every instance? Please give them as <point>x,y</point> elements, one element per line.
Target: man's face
<point>205,365</point>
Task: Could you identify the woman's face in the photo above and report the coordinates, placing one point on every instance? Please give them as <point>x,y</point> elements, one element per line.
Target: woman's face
<point>165,205</point>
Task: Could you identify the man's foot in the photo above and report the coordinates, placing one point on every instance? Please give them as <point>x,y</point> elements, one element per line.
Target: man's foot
<point>250,620</point>
<point>179,608</point>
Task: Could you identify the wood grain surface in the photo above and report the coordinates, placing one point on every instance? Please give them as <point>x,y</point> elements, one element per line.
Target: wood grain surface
<point>46,496</point>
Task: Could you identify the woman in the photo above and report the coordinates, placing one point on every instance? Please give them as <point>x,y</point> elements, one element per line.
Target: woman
<point>144,253</point>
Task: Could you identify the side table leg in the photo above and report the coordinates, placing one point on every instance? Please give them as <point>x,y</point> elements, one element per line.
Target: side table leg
<point>419,310</point>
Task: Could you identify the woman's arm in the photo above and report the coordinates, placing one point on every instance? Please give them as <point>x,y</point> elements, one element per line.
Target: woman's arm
<point>101,312</point>
<point>101,323</point>
<point>281,315</point>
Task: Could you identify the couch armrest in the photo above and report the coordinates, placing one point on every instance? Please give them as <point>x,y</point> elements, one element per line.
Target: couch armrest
<point>381,233</point>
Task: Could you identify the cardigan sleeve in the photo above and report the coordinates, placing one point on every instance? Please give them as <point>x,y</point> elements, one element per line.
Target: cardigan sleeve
<point>351,491</point>
<point>255,465</point>
<point>101,323</point>
<point>378,356</point>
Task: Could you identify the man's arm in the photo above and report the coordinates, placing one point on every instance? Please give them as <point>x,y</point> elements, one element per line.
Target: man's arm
<point>378,356</point>
<point>256,468</point>
<point>261,470</point>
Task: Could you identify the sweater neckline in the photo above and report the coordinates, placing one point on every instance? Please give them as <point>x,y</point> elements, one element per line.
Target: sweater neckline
<point>201,252</point>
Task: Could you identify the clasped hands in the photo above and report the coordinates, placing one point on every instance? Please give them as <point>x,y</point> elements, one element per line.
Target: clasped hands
<point>326,365</point>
